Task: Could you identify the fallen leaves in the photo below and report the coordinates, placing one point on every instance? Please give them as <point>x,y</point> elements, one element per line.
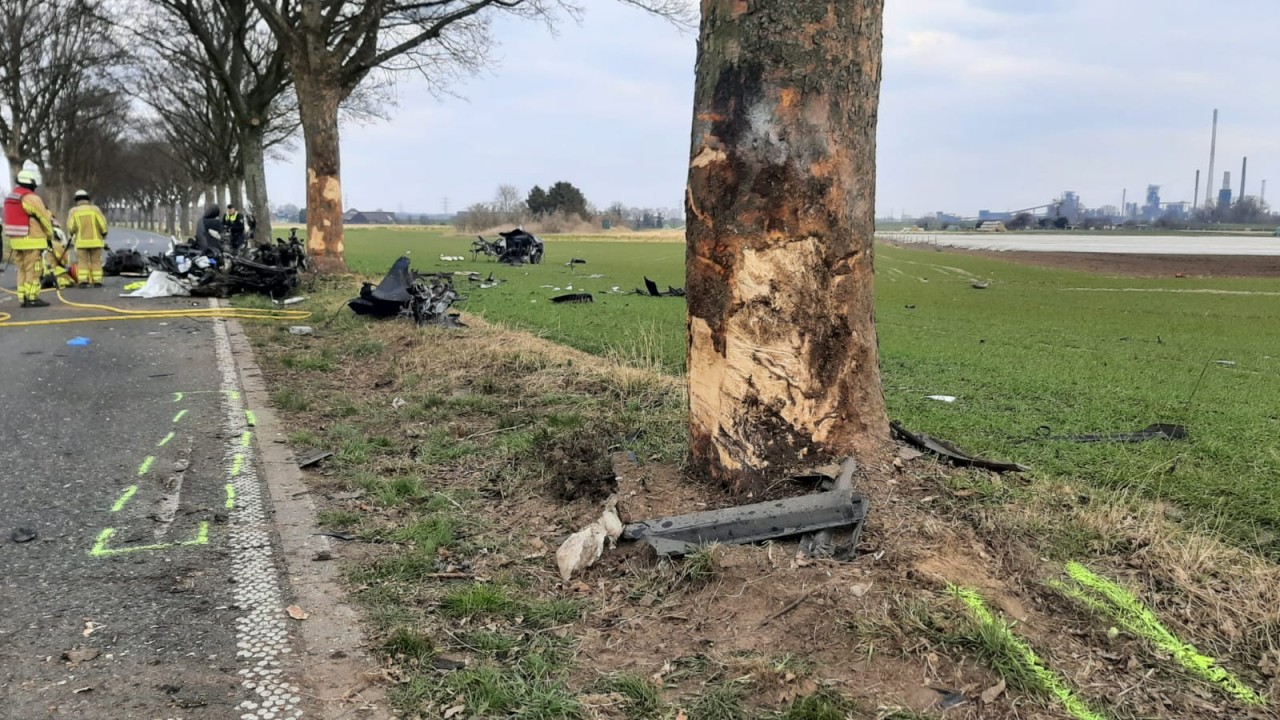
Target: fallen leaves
<point>990,694</point>
<point>296,612</point>
<point>80,655</point>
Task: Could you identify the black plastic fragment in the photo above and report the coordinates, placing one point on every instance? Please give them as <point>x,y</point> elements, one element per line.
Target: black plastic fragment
<point>955,455</point>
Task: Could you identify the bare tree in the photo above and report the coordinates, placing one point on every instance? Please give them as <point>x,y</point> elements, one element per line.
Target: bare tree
<point>80,141</point>
<point>226,41</point>
<point>782,367</point>
<point>194,118</point>
<point>508,199</point>
<point>334,46</point>
<point>47,48</point>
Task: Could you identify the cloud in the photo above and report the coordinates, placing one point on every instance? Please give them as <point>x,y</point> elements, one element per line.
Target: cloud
<point>984,103</point>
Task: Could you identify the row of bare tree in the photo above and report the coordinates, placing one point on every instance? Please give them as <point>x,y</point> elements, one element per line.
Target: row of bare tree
<point>200,93</point>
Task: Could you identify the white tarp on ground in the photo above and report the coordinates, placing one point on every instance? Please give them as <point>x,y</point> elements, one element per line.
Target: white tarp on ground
<point>160,285</point>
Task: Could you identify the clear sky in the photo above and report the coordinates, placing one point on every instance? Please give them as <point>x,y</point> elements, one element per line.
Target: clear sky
<point>997,104</point>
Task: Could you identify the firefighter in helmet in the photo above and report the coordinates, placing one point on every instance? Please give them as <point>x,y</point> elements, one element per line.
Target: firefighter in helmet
<point>88,228</point>
<point>29,227</point>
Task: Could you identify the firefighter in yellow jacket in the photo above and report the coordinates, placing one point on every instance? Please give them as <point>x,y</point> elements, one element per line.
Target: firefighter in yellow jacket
<point>28,225</point>
<point>88,230</point>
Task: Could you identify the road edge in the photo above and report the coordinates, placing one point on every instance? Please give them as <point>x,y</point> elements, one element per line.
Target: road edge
<point>338,673</point>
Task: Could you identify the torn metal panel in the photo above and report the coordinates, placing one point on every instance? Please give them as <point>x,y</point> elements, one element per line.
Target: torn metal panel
<point>952,453</point>
<point>574,298</point>
<point>314,457</point>
<point>682,534</point>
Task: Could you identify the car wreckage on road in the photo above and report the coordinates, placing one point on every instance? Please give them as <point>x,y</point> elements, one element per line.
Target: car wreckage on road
<point>271,269</point>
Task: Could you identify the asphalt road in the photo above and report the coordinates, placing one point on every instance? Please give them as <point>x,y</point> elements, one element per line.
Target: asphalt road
<point>124,606</point>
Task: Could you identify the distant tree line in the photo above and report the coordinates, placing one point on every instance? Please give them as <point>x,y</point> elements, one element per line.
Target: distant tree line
<point>560,207</point>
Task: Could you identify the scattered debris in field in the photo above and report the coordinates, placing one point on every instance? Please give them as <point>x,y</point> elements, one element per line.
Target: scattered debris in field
<point>338,535</point>
<point>980,285</point>
<point>1154,431</point>
<point>1225,363</point>
<point>582,549</point>
<point>956,456</point>
<point>574,298</point>
<point>651,290</point>
<point>22,535</point>
<point>941,398</point>
<point>296,612</point>
<point>301,330</point>
<point>312,458</point>
<point>575,261</point>
<point>452,258</point>
<point>404,293</point>
<point>683,534</point>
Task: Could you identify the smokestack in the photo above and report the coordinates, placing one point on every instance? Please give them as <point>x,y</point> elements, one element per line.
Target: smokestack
<point>1226,180</point>
<point>1244,169</point>
<point>1195,196</point>
<point>1213,149</point>
<point>1124,203</point>
<point>1263,196</point>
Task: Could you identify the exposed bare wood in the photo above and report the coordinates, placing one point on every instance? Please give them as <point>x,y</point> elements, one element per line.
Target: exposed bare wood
<point>783,369</point>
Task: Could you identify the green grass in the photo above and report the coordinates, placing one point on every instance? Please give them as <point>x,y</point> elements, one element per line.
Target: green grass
<point>719,702</point>
<point>643,698</point>
<point>1030,351</point>
<point>819,706</point>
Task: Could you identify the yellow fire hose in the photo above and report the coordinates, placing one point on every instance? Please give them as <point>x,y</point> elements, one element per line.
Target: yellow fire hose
<point>116,313</point>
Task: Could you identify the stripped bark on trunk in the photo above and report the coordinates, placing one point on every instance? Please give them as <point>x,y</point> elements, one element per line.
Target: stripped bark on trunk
<point>783,369</point>
<point>318,108</point>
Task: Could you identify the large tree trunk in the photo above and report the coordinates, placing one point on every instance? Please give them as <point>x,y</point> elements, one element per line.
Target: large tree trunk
<point>783,369</point>
<point>255,179</point>
<point>318,110</point>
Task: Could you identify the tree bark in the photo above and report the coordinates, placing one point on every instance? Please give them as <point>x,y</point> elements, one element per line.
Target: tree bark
<point>255,178</point>
<point>783,369</point>
<point>318,109</point>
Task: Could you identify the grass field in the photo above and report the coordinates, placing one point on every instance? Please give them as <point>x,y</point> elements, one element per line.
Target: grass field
<point>1039,352</point>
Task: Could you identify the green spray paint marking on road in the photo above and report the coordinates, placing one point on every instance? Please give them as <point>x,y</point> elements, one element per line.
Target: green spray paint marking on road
<point>233,394</point>
<point>248,415</point>
<point>178,418</point>
<point>124,498</point>
<point>146,465</point>
<point>165,441</point>
<point>1018,651</point>
<point>1107,598</point>
<point>100,548</point>
<point>245,438</point>
<point>177,397</point>
<point>231,496</point>
<point>237,464</point>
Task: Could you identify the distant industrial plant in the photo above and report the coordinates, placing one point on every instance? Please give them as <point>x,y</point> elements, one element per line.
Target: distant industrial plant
<point>1068,210</point>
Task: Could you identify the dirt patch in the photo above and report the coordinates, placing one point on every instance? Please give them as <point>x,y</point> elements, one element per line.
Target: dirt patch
<point>1139,265</point>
